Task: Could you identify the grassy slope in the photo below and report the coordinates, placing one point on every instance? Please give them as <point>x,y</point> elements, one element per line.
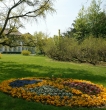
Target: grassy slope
<point>16,66</point>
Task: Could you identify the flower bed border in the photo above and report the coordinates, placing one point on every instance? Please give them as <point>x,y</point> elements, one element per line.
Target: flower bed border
<point>79,99</point>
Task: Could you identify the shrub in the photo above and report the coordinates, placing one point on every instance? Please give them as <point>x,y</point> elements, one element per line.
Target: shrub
<point>62,50</point>
<point>88,52</point>
<point>25,52</point>
<point>91,50</point>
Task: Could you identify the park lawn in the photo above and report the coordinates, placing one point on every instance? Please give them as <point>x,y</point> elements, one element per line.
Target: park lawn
<point>18,66</point>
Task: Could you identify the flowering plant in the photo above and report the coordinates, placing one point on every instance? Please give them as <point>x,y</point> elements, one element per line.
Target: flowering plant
<point>20,83</point>
<point>59,92</point>
<point>87,88</point>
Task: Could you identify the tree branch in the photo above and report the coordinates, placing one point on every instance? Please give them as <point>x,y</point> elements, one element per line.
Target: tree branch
<point>30,12</point>
<point>7,18</point>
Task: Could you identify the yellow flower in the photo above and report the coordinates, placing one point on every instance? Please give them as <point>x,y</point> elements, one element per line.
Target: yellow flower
<point>78,98</point>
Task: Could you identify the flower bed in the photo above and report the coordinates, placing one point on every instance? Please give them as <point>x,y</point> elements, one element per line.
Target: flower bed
<point>58,92</point>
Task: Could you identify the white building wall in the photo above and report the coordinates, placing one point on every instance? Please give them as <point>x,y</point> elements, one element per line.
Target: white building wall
<point>17,49</point>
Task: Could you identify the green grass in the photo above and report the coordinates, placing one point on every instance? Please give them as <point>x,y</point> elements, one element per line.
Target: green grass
<point>18,66</point>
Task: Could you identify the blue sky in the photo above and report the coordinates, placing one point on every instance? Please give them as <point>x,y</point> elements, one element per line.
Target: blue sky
<point>66,12</point>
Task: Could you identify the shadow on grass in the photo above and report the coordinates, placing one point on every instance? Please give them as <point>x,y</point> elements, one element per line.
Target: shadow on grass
<point>14,70</point>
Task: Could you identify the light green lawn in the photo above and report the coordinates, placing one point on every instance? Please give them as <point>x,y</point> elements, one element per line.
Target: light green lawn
<point>18,66</point>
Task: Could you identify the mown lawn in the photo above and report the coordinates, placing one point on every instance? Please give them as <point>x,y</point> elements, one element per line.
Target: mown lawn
<point>18,66</point>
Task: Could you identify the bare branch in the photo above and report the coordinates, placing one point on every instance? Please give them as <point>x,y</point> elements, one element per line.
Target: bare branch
<point>41,10</point>
<point>7,18</point>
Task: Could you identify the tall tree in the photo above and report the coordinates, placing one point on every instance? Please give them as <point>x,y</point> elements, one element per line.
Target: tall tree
<point>14,12</point>
<point>90,21</point>
<point>93,14</point>
<point>80,24</point>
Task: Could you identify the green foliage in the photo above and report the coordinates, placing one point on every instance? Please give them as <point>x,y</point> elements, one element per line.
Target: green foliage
<point>28,40</point>
<point>62,49</point>
<point>91,50</point>
<point>25,52</point>
<point>88,51</point>
<point>80,24</point>
<point>89,30</point>
<point>40,39</point>
<point>90,21</point>
<point>50,48</point>
<point>0,55</point>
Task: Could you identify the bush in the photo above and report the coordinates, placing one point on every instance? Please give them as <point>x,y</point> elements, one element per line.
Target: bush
<point>63,50</point>
<point>88,50</point>
<point>91,50</point>
<point>25,52</point>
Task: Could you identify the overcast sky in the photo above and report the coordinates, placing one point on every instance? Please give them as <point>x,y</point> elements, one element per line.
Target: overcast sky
<point>66,12</point>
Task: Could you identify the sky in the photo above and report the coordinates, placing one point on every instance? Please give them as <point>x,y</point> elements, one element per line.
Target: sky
<point>66,13</point>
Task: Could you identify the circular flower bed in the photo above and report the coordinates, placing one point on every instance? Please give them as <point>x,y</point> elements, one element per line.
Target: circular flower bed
<point>58,92</point>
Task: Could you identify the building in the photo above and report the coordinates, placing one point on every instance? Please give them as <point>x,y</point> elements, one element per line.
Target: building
<point>17,41</point>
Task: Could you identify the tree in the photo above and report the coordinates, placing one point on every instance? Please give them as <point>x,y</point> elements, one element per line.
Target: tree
<point>14,12</point>
<point>90,21</point>
<point>28,40</point>
<point>102,24</point>
<point>69,33</point>
<point>13,38</point>
<point>40,39</point>
<point>95,17</point>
